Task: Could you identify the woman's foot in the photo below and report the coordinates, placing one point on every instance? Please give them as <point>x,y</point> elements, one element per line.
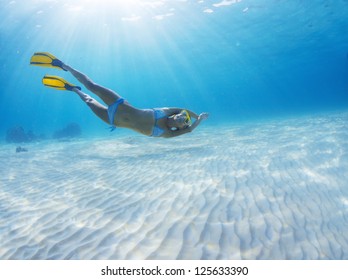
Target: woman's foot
<point>58,63</point>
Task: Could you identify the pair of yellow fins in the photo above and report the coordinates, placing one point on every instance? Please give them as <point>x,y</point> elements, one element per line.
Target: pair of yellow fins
<point>45,59</point>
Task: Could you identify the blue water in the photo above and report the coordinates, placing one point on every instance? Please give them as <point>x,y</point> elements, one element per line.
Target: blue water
<point>236,188</point>
<point>237,60</point>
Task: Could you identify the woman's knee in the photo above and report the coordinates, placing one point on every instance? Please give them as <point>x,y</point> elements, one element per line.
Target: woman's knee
<point>90,101</point>
<point>90,85</point>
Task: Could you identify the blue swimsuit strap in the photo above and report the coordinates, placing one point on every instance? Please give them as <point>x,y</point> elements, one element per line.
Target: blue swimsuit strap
<point>112,109</point>
<point>159,114</point>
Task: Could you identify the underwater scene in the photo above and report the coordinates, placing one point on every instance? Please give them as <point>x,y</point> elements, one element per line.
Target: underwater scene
<point>96,102</point>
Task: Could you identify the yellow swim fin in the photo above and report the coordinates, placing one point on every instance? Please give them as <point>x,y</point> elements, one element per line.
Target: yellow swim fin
<point>45,59</point>
<point>58,83</point>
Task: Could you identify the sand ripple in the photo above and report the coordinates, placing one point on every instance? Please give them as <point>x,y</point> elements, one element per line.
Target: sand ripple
<point>273,190</point>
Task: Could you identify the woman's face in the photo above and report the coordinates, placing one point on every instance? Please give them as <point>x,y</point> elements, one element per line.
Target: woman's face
<point>180,120</point>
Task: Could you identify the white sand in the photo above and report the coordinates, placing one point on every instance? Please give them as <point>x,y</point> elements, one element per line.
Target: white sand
<point>275,190</point>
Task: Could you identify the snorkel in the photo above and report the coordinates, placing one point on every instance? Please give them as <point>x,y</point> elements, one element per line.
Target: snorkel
<point>188,118</point>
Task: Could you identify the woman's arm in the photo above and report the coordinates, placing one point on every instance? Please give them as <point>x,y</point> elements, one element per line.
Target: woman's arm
<point>171,111</point>
<point>192,114</point>
<point>174,110</point>
<point>201,117</point>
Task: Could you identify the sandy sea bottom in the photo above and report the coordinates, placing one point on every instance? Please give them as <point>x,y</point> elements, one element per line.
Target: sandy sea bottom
<point>274,190</point>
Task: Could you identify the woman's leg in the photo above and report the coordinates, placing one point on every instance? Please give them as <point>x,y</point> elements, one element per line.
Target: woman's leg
<point>98,109</point>
<point>107,95</point>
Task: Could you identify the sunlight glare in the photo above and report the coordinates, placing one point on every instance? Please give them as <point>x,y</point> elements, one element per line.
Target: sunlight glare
<point>121,5</point>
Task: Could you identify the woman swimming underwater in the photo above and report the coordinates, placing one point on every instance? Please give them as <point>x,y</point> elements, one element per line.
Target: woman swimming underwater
<point>158,122</point>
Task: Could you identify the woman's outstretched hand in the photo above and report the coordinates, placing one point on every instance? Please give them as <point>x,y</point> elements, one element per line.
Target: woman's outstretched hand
<point>203,116</point>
